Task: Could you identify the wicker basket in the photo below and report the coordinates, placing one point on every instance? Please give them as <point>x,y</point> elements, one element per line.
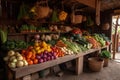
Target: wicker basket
<point>42,11</point>
<point>106,26</point>
<point>75,19</point>
<point>95,64</point>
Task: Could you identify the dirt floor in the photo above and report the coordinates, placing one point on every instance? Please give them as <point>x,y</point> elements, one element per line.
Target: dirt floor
<point>112,72</point>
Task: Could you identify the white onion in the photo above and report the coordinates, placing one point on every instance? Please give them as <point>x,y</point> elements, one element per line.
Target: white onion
<point>20,64</point>
<point>11,53</point>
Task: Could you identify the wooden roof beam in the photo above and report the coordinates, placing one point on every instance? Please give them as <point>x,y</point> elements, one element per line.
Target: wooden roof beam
<point>90,3</point>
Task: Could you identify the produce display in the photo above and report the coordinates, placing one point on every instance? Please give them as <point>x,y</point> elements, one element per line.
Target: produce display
<point>48,47</point>
<point>12,44</point>
<point>99,39</point>
<point>15,59</point>
<point>27,28</point>
<point>93,41</point>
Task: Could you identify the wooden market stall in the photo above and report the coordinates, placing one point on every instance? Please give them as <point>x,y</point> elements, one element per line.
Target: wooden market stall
<point>48,20</point>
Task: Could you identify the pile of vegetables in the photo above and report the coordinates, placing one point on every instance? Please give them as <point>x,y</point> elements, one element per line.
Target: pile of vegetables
<point>72,46</point>
<point>50,37</point>
<point>77,31</point>
<point>46,56</point>
<point>60,43</point>
<point>15,59</point>
<point>106,39</point>
<point>99,39</point>
<point>27,28</point>
<point>49,47</point>
<point>42,29</point>
<point>90,39</point>
<point>29,55</point>
<point>58,51</point>
<point>67,51</point>
<point>14,45</point>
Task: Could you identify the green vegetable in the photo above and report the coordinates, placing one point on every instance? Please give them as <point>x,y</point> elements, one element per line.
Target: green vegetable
<point>105,54</point>
<point>72,46</point>
<point>99,39</point>
<point>11,44</point>
<point>23,11</point>
<point>24,27</point>
<point>54,17</point>
<point>32,27</point>
<point>3,36</point>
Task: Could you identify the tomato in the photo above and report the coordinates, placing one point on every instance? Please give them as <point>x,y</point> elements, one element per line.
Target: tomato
<point>23,51</point>
<point>30,62</point>
<point>29,54</point>
<point>30,47</point>
<point>77,31</point>
<point>35,61</point>
<point>33,56</point>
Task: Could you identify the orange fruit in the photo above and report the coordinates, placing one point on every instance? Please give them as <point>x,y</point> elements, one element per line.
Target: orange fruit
<point>35,61</point>
<point>33,56</point>
<point>30,62</point>
<point>29,54</point>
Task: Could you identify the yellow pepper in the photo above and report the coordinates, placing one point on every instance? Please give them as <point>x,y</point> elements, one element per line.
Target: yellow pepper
<point>62,15</point>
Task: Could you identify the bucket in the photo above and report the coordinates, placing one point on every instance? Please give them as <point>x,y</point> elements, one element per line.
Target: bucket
<point>106,61</point>
<point>95,64</point>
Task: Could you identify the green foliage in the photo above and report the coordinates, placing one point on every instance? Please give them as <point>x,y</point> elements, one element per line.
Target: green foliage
<point>24,27</point>
<point>54,17</point>
<point>105,54</point>
<point>3,36</point>
<point>23,11</point>
<point>12,44</point>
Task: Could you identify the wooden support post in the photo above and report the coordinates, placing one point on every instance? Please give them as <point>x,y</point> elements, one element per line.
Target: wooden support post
<point>115,37</point>
<point>98,2</point>
<point>79,65</point>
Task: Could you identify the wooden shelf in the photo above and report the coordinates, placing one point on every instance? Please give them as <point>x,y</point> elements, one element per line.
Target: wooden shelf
<point>31,33</point>
<point>20,72</point>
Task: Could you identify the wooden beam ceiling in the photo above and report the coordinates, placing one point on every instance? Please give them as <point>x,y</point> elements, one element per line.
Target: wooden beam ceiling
<point>90,3</point>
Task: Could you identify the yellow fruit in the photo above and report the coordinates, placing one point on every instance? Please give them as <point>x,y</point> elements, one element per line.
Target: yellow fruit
<point>62,15</point>
<point>49,50</point>
<point>37,48</point>
<point>33,50</point>
<point>39,51</point>
<point>32,9</point>
<point>36,44</point>
<point>44,44</point>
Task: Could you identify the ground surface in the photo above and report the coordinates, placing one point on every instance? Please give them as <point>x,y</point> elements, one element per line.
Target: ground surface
<point>112,72</point>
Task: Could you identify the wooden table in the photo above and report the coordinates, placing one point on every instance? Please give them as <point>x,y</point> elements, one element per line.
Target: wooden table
<point>23,71</point>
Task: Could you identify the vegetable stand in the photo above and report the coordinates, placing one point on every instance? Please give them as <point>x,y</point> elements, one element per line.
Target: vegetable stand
<point>23,71</point>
